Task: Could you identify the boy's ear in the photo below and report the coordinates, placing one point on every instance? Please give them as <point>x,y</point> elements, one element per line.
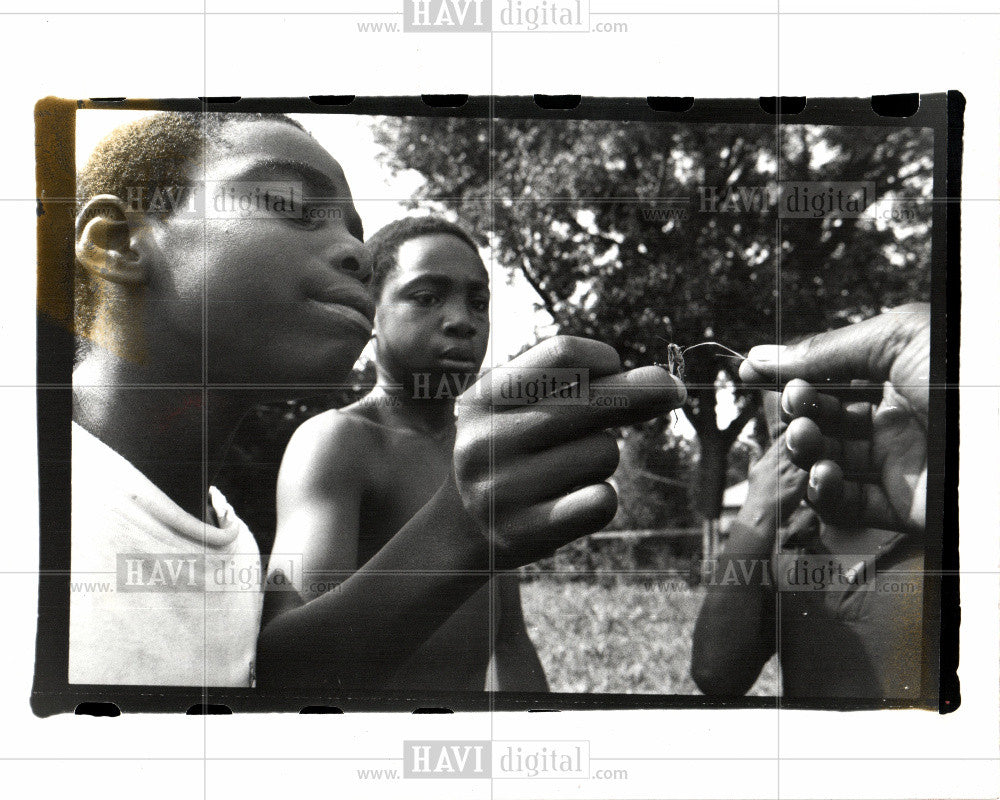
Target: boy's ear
<point>104,242</point>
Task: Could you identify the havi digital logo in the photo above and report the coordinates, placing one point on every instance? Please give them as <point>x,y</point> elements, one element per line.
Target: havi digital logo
<point>447,15</point>
<point>446,759</point>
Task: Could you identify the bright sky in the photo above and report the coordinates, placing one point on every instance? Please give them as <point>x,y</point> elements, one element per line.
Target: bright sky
<point>379,199</point>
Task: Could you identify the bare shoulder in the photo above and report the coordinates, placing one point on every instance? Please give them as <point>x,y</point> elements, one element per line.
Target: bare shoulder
<point>336,443</point>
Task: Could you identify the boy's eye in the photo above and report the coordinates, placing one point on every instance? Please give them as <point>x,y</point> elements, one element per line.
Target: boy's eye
<point>425,299</point>
<point>481,305</point>
<point>311,217</point>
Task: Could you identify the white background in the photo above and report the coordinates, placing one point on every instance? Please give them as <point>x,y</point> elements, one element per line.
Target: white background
<point>860,49</point>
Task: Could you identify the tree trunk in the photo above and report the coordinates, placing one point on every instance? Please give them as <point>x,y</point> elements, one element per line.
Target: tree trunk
<point>713,464</point>
<point>710,483</point>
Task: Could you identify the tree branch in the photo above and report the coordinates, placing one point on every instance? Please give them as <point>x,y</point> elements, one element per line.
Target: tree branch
<point>547,300</point>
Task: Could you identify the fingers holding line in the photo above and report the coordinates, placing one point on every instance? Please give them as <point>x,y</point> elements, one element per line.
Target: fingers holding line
<point>534,425</point>
<point>596,359</point>
<point>866,349</point>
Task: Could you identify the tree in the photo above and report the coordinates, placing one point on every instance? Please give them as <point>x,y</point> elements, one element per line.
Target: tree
<point>633,231</point>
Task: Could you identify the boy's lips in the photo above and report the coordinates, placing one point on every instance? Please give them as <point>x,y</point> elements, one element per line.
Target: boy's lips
<point>458,354</point>
<point>458,357</point>
<point>348,313</point>
<point>349,303</point>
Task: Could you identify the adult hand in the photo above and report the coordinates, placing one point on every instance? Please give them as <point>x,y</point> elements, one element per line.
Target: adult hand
<point>866,455</point>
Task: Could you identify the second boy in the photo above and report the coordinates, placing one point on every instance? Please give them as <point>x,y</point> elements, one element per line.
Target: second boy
<point>352,478</point>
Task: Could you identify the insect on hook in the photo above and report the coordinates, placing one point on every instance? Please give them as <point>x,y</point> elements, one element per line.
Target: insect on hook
<point>674,365</point>
<point>675,357</point>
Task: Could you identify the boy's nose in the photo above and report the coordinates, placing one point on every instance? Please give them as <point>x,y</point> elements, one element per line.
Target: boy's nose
<point>459,326</point>
<point>353,259</point>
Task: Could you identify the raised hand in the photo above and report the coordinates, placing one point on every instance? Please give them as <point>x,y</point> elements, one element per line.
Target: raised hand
<point>533,475</point>
<point>858,402</point>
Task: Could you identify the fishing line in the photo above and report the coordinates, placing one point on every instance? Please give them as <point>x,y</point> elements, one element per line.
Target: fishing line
<point>716,344</point>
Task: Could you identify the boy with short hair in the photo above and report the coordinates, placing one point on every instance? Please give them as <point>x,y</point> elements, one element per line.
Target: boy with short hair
<point>168,301</point>
<point>352,477</point>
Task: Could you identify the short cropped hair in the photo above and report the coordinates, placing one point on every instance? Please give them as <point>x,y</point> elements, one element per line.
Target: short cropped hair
<point>153,152</point>
<point>158,151</point>
<point>385,243</point>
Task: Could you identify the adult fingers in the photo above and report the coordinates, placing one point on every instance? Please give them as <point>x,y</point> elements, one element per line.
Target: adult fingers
<point>837,419</point>
<point>865,350</point>
<point>848,503</point>
<point>807,444</point>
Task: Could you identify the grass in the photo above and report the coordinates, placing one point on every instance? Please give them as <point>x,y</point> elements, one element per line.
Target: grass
<point>624,637</point>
